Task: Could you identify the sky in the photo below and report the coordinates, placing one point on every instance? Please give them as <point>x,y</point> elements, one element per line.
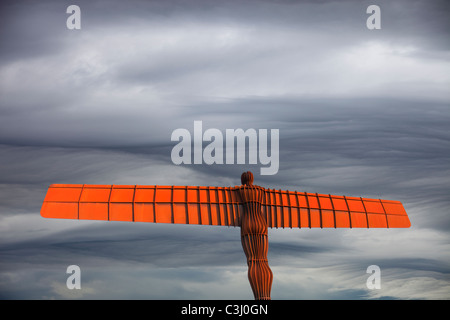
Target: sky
<point>360,113</point>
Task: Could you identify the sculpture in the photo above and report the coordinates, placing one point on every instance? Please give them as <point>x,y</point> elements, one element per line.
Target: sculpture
<point>252,208</point>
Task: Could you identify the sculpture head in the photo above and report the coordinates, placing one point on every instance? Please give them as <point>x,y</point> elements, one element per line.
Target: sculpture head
<point>247,178</point>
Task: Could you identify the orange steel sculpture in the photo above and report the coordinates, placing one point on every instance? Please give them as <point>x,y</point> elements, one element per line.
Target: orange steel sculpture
<point>253,208</point>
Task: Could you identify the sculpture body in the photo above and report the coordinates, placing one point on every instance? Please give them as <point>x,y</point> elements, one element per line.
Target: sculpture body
<point>254,238</point>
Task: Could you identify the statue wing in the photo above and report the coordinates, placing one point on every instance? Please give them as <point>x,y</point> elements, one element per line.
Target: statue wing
<point>218,206</point>
<point>136,203</point>
<point>292,209</point>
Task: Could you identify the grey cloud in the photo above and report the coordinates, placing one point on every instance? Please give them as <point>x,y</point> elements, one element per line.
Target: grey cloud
<point>360,112</point>
<point>92,90</point>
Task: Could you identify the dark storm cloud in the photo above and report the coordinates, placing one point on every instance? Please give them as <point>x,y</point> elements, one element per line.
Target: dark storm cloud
<point>107,250</point>
<point>167,64</point>
<point>29,29</point>
<point>360,112</point>
<point>189,247</point>
<point>33,29</point>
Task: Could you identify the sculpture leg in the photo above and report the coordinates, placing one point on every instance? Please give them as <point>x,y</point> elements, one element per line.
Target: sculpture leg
<point>259,274</point>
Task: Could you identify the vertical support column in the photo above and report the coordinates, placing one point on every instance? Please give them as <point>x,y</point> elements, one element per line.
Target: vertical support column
<point>254,238</point>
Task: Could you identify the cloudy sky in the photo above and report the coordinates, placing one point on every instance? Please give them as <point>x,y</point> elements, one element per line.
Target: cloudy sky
<point>360,112</point>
